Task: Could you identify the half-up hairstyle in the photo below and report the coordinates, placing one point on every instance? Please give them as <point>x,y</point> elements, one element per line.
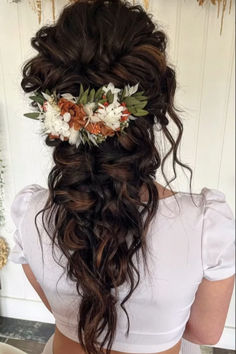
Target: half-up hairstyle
<point>94,192</point>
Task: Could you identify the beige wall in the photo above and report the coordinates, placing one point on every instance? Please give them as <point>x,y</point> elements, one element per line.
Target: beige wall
<point>204,62</point>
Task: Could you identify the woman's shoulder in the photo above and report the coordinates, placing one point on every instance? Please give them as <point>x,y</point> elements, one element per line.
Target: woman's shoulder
<point>23,198</point>
<point>26,201</point>
<point>205,196</point>
<point>209,202</point>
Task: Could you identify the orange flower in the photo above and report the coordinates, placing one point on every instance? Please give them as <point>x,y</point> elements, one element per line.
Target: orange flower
<point>100,128</point>
<point>93,128</point>
<point>76,111</point>
<point>105,130</point>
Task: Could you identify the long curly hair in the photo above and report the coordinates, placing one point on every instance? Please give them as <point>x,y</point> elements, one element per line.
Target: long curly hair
<point>94,192</point>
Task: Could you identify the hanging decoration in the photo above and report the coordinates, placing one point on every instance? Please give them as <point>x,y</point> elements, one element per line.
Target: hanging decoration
<point>37,7</point>
<point>145,3</point>
<point>218,2</point>
<point>4,251</point>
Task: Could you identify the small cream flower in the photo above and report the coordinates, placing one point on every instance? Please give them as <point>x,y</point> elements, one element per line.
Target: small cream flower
<point>74,137</point>
<point>67,117</point>
<point>89,110</point>
<point>54,123</point>
<point>110,115</point>
<point>113,90</point>
<point>130,90</point>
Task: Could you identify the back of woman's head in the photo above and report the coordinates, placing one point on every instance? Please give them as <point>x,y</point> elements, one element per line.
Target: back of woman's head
<point>95,191</point>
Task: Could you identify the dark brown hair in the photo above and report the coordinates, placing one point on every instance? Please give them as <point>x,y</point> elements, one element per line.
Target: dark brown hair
<point>94,192</point>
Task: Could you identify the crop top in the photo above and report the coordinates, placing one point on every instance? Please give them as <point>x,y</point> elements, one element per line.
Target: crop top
<point>186,243</point>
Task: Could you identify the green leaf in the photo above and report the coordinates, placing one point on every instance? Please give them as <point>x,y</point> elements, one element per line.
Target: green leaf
<point>81,91</point>
<point>141,104</point>
<point>139,93</point>
<point>131,101</point>
<point>102,101</point>
<point>84,97</point>
<point>110,96</point>
<point>122,95</point>
<point>132,109</point>
<point>99,94</point>
<point>91,95</point>
<point>32,115</point>
<point>142,98</point>
<point>141,112</point>
<point>38,99</point>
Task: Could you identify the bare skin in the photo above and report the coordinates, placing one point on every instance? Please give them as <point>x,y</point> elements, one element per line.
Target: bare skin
<point>63,344</point>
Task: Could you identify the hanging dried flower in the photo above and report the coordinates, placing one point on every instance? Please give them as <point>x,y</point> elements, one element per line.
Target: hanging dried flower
<point>37,7</point>
<point>53,10</point>
<point>146,3</point>
<point>4,251</point>
<point>201,2</point>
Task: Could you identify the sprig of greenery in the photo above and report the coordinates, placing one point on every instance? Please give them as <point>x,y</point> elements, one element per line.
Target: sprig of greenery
<point>135,103</point>
<point>37,98</point>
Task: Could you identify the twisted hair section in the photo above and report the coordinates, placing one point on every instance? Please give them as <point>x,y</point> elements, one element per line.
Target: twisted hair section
<point>99,220</point>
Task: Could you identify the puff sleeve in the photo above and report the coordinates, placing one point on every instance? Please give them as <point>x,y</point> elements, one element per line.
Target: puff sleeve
<point>18,210</point>
<point>218,236</point>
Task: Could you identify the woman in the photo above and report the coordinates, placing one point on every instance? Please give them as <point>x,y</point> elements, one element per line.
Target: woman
<point>124,264</point>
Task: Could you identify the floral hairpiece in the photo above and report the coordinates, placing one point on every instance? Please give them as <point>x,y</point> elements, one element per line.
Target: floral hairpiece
<point>92,116</point>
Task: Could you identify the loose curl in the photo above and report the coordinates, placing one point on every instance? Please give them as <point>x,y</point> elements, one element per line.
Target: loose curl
<point>94,192</point>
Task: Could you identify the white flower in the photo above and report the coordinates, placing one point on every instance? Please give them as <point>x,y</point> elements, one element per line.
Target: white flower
<point>130,90</point>
<point>69,97</point>
<point>47,97</point>
<point>67,117</point>
<point>74,138</point>
<point>54,123</point>
<point>89,110</point>
<point>110,115</point>
<point>111,87</point>
<point>114,91</point>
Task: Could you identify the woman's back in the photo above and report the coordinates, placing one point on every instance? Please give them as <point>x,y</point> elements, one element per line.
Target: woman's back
<point>184,244</point>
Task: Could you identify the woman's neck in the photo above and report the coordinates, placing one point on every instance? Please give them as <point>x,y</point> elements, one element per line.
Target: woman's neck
<point>162,192</point>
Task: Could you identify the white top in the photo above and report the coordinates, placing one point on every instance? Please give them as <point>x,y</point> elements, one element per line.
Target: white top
<point>186,243</point>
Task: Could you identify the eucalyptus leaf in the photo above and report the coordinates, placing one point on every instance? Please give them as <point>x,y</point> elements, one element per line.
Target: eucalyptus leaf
<point>84,97</point>
<point>91,95</point>
<point>141,104</point>
<point>132,109</point>
<point>102,101</point>
<point>122,95</point>
<point>81,91</point>
<point>99,94</point>
<point>142,98</point>
<point>37,99</point>
<point>131,101</point>
<point>110,96</point>
<point>32,115</point>
<point>141,112</point>
<point>139,93</point>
